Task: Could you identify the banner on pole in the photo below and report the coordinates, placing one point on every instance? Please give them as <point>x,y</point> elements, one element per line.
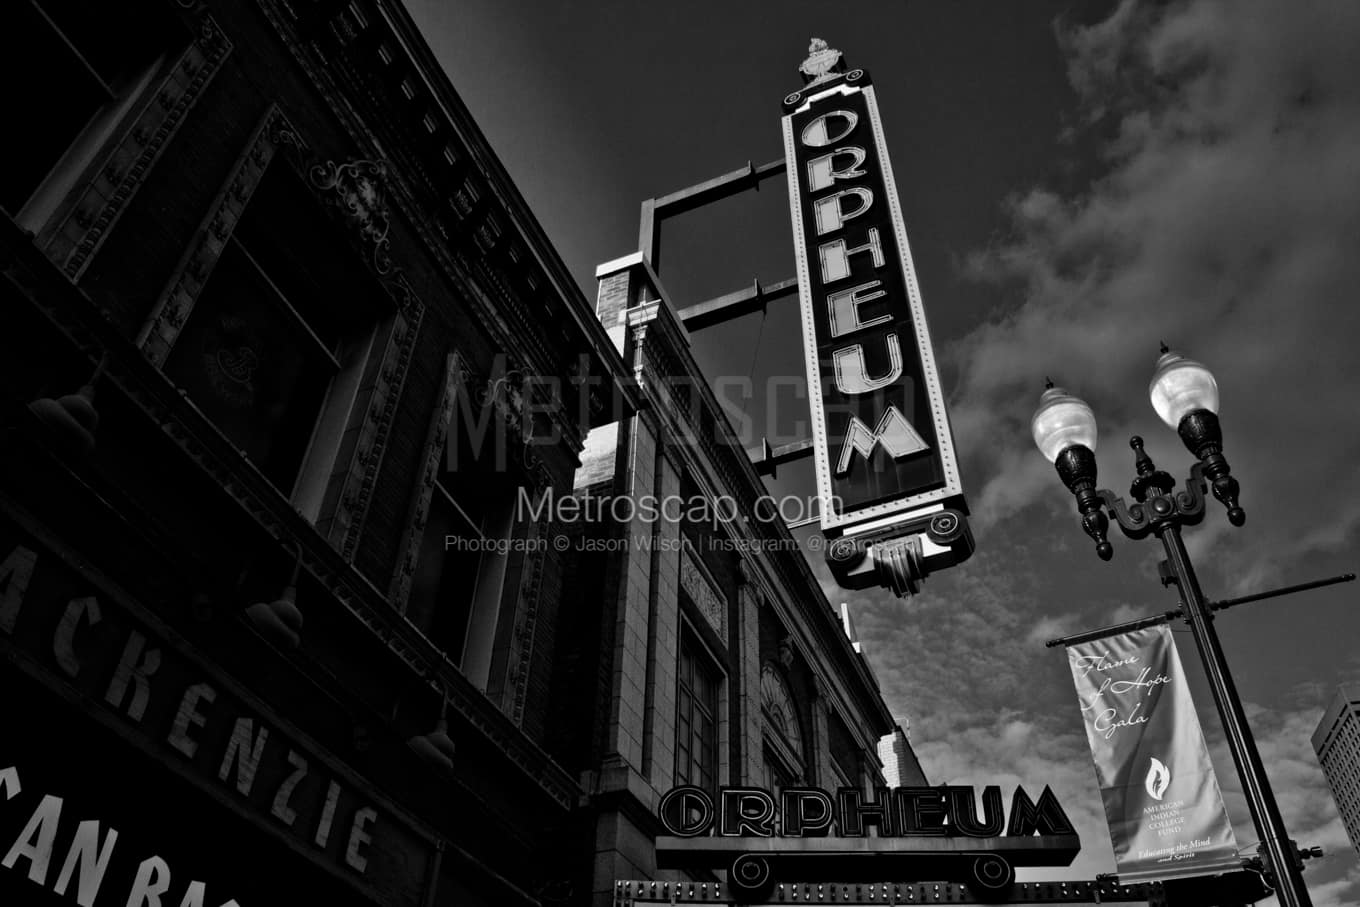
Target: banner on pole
<point>1161,797</point>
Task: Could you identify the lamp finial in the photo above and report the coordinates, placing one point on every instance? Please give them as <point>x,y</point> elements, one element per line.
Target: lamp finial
<point>823,63</point>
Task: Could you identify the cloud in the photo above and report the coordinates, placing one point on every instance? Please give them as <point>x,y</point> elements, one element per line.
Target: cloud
<point>1224,221</point>
<point>1051,627</point>
<point>987,703</point>
<point>1011,751</point>
<point>1125,612</point>
<point>1222,216</point>
<point>1340,892</point>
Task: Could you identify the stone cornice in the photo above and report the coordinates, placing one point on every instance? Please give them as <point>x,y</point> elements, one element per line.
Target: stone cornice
<point>495,304</point>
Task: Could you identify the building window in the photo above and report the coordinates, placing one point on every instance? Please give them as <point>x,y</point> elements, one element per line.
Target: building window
<point>273,350</point>
<point>76,67</point>
<point>847,764</point>
<point>778,773</point>
<point>460,574</point>
<point>783,738</point>
<point>842,774</point>
<point>696,717</point>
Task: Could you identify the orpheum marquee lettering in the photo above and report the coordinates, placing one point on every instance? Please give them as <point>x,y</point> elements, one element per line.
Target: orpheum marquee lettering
<point>887,474</point>
<point>950,810</point>
<point>137,676</point>
<point>802,833</point>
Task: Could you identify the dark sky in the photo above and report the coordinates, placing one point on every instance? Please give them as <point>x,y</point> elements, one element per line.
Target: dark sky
<point>1079,182</point>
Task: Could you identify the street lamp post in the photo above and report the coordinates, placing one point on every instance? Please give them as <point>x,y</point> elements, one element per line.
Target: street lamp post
<point>1185,396</point>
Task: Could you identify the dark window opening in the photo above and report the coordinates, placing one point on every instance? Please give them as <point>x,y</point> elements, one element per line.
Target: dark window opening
<point>458,582</point>
<point>778,774</point>
<point>696,718</point>
<point>280,320</point>
<point>846,758</point>
<point>73,67</point>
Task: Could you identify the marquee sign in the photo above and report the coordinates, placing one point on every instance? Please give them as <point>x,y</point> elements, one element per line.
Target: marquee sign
<point>919,833</point>
<point>645,892</point>
<point>882,445</point>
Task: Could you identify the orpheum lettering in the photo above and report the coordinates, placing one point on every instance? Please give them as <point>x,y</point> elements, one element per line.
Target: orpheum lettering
<point>831,212</point>
<point>901,812</point>
<point>883,446</point>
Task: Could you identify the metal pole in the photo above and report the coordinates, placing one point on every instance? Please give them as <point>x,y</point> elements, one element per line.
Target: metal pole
<point>1114,629</point>
<point>1265,813</point>
<point>1287,590</point>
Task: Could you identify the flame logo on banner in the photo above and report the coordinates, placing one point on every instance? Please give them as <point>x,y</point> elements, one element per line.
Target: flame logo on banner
<point>1158,779</point>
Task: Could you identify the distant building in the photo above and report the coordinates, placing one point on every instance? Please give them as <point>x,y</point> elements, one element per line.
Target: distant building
<point>901,768</point>
<point>1337,744</point>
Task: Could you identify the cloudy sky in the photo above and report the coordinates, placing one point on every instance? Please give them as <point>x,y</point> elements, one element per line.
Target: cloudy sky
<point>1080,182</point>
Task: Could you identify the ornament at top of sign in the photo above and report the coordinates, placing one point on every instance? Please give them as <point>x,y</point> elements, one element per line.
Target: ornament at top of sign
<point>823,63</point>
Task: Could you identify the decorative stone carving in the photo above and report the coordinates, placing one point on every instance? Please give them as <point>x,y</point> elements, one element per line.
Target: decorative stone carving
<point>375,429</point>
<point>79,233</point>
<point>777,703</point>
<point>456,376</point>
<point>822,64</point>
<point>507,394</point>
<point>177,301</point>
<point>524,626</point>
<point>357,189</point>
<point>703,591</point>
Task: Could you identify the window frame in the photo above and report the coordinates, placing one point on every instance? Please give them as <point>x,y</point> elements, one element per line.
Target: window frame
<point>691,640</point>
<point>486,609</point>
<point>346,365</point>
<point>498,635</point>
<point>336,476</point>
<point>110,108</point>
<point>836,726</point>
<point>86,187</point>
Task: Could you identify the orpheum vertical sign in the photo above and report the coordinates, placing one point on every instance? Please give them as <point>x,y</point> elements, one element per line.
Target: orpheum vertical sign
<point>886,470</point>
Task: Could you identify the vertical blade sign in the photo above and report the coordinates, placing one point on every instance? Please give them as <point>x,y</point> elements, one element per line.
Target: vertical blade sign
<point>881,435</point>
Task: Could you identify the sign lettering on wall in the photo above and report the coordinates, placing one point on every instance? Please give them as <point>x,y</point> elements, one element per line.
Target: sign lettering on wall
<point>91,640</point>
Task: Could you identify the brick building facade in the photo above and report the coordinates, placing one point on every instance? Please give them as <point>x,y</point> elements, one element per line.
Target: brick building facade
<point>263,279</point>
<point>282,350</point>
<point>713,658</point>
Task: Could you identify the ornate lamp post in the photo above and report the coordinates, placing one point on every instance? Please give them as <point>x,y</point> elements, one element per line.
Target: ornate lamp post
<point>1185,396</point>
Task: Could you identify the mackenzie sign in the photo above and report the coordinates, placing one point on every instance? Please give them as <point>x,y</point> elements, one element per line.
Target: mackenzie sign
<point>73,631</point>
<point>881,435</point>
